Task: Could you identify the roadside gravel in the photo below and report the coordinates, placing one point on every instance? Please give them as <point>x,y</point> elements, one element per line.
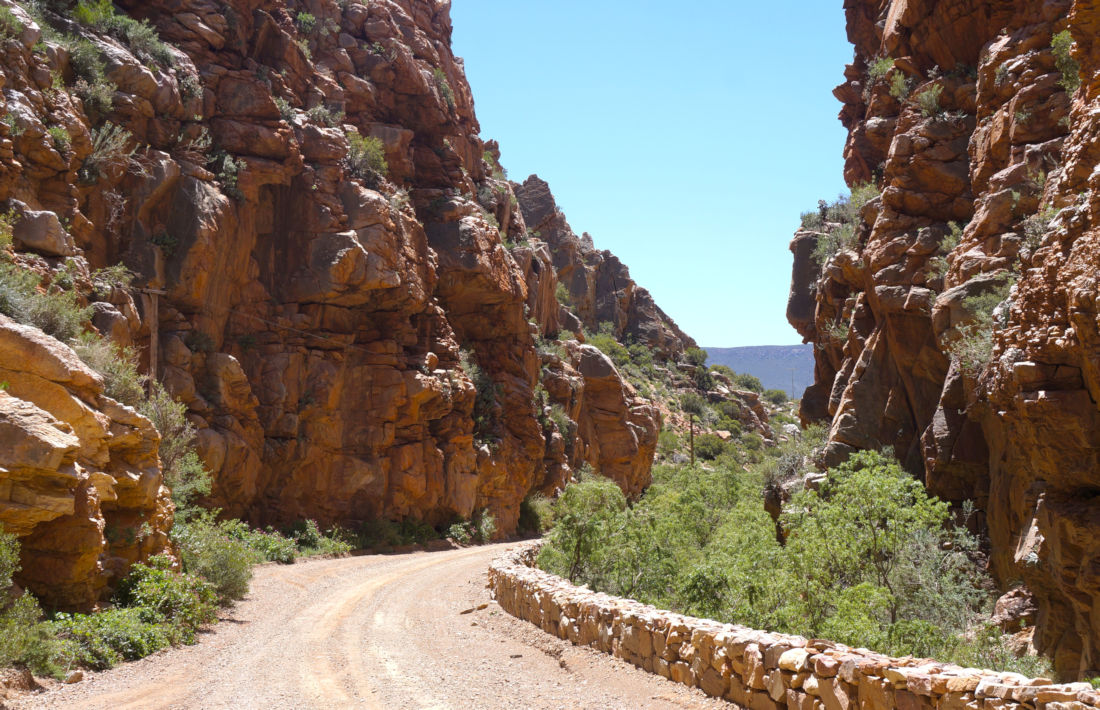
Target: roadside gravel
<point>378,631</point>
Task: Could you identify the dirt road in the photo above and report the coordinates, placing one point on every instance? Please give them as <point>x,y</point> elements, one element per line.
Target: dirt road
<point>382,631</point>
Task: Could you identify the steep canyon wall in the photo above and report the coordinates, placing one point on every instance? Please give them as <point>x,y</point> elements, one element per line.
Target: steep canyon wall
<point>352,342</point>
<point>959,323</point>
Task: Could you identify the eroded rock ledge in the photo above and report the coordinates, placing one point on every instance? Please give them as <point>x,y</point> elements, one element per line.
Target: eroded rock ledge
<point>758,669</point>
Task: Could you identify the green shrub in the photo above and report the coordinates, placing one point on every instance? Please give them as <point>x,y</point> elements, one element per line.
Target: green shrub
<point>15,128</point>
<point>118,366</point>
<point>838,221</point>
<point>366,157</point>
<point>461,533</point>
<point>833,241</point>
<point>939,263</point>
<point>879,68</point>
<point>536,514</point>
<point>692,403</point>
<point>311,541</point>
<point>10,25</point>
<point>85,60</point>
<point>286,110</point>
<point>185,602</point>
<point>566,427</point>
<point>57,312</point>
<point>608,345</point>
<point>306,22</point>
<point>495,169</point>
<point>709,446</point>
<point>184,473</point>
<point>869,559</point>
<point>112,277</point>
<point>900,85</point>
<point>562,294</point>
<point>103,640</point>
<point>745,381</point>
<point>485,403</point>
<point>62,141</point>
<point>929,101</point>
<point>227,170</point>
<point>973,349</point>
<point>1035,227</point>
<point>485,526</point>
<point>585,513</point>
<point>140,37</point>
<point>696,356</point>
<point>208,552</point>
<point>775,396</point>
<point>668,442</point>
<point>109,145</point>
<point>23,638</point>
<point>325,116</point>
<point>265,545</point>
<point>444,87</point>
<point>1063,59</point>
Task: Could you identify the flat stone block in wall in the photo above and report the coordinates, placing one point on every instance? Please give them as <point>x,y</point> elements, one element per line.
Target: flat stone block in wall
<point>713,684</point>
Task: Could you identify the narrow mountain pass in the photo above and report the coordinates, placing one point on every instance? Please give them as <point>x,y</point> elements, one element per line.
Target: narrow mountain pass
<point>379,631</point>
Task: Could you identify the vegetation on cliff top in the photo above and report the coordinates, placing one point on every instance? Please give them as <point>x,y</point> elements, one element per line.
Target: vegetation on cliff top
<point>837,223</point>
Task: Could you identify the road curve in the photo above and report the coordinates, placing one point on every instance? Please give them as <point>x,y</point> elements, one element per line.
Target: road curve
<point>378,631</point>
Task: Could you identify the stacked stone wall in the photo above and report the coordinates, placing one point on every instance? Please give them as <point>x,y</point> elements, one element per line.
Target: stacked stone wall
<point>759,669</point>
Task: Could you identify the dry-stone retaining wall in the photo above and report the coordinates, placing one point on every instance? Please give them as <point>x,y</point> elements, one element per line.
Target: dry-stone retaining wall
<point>758,669</point>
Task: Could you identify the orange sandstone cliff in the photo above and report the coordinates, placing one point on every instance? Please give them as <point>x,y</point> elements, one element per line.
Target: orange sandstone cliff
<point>352,343</point>
<point>977,361</point>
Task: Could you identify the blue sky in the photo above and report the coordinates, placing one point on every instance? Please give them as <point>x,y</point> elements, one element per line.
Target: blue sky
<point>686,139</point>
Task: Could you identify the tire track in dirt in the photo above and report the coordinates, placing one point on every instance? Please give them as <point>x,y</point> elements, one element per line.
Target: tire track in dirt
<point>379,631</point>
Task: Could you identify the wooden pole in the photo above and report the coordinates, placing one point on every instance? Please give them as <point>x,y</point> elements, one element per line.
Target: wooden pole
<point>691,428</point>
<point>154,334</point>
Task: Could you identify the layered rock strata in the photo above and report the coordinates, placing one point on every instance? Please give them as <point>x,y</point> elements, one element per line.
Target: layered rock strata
<point>80,480</point>
<point>598,286</point>
<point>759,669</point>
<point>353,340</point>
<point>972,124</point>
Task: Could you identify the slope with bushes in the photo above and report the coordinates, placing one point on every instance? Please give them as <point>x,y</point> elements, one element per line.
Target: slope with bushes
<point>862,556</point>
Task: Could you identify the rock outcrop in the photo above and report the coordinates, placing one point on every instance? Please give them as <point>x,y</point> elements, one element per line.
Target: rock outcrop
<point>80,480</point>
<point>598,286</point>
<point>332,269</point>
<point>997,404</point>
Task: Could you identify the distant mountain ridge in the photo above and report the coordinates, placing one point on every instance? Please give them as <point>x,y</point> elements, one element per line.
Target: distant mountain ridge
<point>777,366</point>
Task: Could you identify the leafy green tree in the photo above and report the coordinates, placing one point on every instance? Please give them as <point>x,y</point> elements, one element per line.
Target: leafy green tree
<point>775,396</point>
<point>873,526</point>
<point>692,403</point>
<point>748,382</point>
<point>696,356</point>
<point>586,513</point>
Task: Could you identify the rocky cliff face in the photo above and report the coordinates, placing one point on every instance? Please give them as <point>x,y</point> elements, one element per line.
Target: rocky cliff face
<point>972,348</point>
<point>80,481</point>
<point>598,286</point>
<point>353,341</point>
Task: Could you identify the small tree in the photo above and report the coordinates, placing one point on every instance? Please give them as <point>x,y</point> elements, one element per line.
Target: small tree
<point>696,356</point>
<point>694,406</point>
<point>585,514</point>
<point>1063,59</point>
<point>184,473</point>
<point>366,157</point>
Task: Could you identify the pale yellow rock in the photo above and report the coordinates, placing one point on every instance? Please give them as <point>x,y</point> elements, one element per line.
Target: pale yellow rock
<point>794,660</point>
